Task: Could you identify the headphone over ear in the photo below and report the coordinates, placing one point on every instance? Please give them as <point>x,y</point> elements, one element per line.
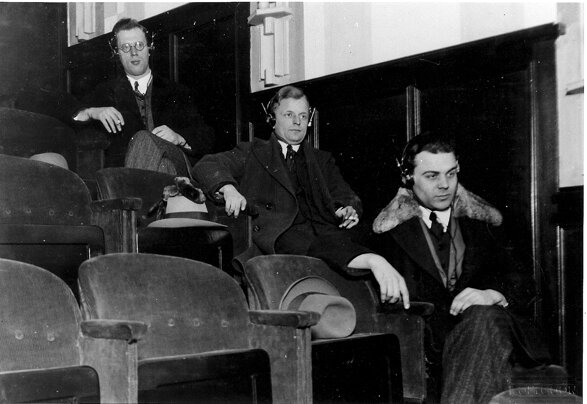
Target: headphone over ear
<point>269,117</point>
<point>405,171</point>
<point>113,41</point>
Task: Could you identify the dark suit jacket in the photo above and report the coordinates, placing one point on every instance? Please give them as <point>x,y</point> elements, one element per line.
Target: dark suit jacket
<point>172,105</point>
<point>258,171</point>
<point>486,263</point>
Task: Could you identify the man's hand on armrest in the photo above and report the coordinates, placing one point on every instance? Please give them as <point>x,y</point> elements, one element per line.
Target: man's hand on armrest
<point>234,202</point>
<point>110,117</point>
<point>392,285</point>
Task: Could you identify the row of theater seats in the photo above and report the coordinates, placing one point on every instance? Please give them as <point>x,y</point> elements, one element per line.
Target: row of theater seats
<point>154,328</point>
<point>48,219</point>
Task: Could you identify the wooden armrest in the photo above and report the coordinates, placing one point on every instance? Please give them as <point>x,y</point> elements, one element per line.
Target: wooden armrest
<point>90,138</point>
<point>117,204</point>
<point>423,309</point>
<point>130,331</point>
<point>285,318</point>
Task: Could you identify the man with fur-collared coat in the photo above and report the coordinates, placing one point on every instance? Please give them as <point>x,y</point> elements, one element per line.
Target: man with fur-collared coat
<point>442,239</point>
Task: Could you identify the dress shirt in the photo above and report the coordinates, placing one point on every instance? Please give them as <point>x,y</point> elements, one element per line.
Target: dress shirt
<point>443,216</point>
<point>284,145</point>
<point>143,82</point>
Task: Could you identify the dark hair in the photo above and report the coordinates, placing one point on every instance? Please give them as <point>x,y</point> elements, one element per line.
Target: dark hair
<point>126,24</point>
<point>427,141</point>
<point>283,93</point>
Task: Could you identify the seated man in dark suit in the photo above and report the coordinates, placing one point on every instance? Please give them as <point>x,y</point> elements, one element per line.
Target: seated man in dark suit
<point>157,116</point>
<point>304,205</point>
<point>442,239</point>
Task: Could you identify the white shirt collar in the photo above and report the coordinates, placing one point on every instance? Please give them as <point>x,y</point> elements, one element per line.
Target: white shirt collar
<point>143,82</point>
<point>284,145</point>
<point>443,216</point>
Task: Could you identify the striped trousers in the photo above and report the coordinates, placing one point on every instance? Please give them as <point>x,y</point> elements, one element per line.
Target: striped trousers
<point>149,152</point>
<point>478,356</point>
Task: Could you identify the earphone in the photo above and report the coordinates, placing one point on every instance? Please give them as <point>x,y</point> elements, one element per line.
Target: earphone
<point>405,172</point>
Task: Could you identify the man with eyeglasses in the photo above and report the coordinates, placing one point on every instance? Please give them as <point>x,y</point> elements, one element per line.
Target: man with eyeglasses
<point>299,201</point>
<point>158,117</point>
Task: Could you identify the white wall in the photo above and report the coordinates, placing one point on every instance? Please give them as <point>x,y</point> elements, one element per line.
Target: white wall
<point>87,20</point>
<point>570,80</point>
<point>343,36</point>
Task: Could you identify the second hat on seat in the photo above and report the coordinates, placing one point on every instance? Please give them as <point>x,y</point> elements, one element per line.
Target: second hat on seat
<point>181,212</point>
<point>313,293</point>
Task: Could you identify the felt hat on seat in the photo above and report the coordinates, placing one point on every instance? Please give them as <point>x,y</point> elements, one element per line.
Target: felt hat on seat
<point>182,212</point>
<point>313,293</point>
<point>55,159</point>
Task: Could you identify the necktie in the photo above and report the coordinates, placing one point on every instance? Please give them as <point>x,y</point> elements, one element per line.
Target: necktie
<point>436,227</point>
<point>289,159</point>
<point>137,92</point>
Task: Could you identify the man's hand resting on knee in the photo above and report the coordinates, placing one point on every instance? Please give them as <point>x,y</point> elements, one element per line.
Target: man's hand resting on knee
<point>471,297</point>
<point>391,284</point>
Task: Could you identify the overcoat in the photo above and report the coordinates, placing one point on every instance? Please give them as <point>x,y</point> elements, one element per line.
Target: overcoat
<point>487,264</point>
<point>171,105</point>
<point>258,171</point>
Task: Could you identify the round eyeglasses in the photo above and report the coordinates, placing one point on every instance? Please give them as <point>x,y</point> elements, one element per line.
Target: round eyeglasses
<point>126,47</point>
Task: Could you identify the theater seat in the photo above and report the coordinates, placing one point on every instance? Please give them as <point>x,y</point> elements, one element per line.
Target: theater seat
<point>47,217</point>
<point>203,342</point>
<point>269,276</point>
<point>49,354</point>
<point>25,133</point>
<point>207,244</point>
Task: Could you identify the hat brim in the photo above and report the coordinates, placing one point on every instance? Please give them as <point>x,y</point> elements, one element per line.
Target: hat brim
<point>177,222</point>
<point>308,284</point>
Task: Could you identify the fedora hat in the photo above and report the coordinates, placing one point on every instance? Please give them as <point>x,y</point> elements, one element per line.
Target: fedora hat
<point>182,212</point>
<point>313,293</point>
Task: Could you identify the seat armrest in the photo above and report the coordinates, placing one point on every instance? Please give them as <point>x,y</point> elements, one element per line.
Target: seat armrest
<point>109,347</point>
<point>423,309</point>
<point>284,318</point>
<point>90,138</point>
<point>117,204</point>
<point>118,219</point>
<point>130,331</point>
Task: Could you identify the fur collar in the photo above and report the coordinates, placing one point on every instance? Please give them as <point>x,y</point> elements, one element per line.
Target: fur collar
<point>404,207</point>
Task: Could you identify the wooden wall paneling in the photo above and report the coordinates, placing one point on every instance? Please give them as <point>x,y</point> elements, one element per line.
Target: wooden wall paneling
<point>569,202</point>
<point>32,41</point>
<point>544,187</point>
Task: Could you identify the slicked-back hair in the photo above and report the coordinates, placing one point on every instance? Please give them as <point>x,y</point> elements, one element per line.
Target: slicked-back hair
<point>126,24</point>
<point>431,142</point>
<point>284,93</point>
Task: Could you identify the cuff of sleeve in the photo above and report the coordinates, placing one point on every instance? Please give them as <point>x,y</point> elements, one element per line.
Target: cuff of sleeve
<point>217,195</point>
<point>499,299</point>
